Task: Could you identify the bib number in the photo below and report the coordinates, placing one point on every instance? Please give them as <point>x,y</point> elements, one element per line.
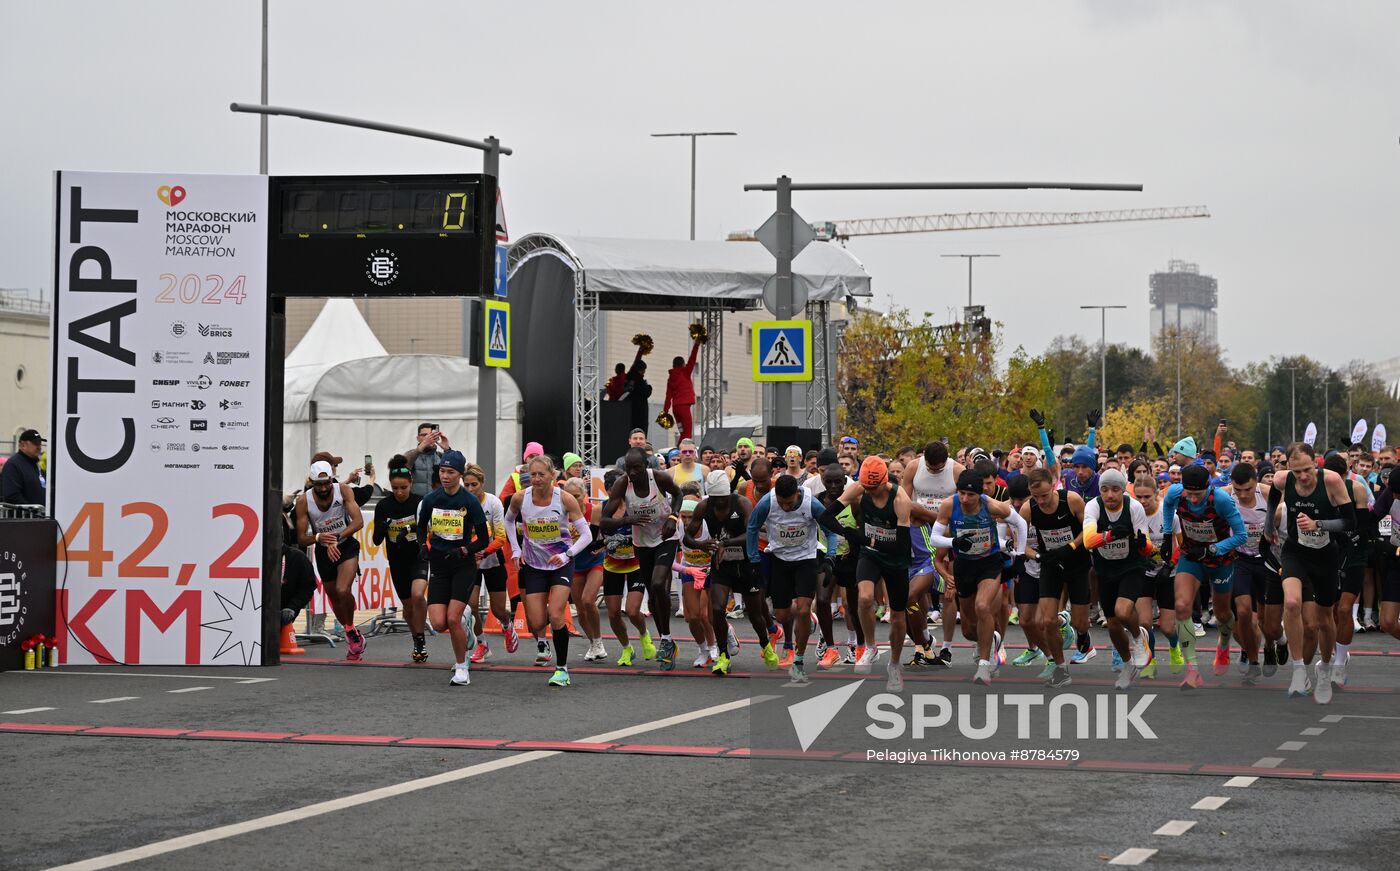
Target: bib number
<point>447,524</point>
<point>402,529</point>
<point>981,539</point>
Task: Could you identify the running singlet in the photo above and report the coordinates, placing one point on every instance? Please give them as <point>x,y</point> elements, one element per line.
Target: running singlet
<point>1116,557</point>
<point>648,512</point>
<point>1159,569</point>
<point>931,488</point>
<point>880,524</point>
<point>1058,529</point>
<point>847,519</point>
<point>731,531</point>
<point>1317,505</point>
<point>751,493</point>
<point>682,477</point>
<point>495,527</point>
<point>1253,517</point>
<point>545,527</point>
<point>332,519</point>
<point>697,557</point>
<point>977,528</point>
<point>792,535</point>
<point>619,553</point>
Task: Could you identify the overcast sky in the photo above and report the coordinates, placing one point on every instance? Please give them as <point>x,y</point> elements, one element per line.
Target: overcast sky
<point>1281,117</point>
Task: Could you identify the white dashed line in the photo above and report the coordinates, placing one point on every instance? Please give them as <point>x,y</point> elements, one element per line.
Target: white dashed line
<point>1210,803</point>
<point>189,690</point>
<point>1313,732</point>
<point>1289,746</point>
<point>1268,762</point>
<point>1240,782</point>
<point>117,699</point>
<point>1173,828</point>
<point>1134,856</point>
<point>28,711</point>
<point>1332,718</point>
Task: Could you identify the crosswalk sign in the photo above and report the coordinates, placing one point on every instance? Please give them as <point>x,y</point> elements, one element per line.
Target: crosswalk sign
<point>782,351</point>
<point>497,333</point>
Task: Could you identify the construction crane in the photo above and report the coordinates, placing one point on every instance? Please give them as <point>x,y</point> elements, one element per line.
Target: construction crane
<point>840,231</point>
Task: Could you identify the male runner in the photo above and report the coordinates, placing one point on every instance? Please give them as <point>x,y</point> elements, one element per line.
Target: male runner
<point>1355,549</point>
<point>1160,588</point>
<point>838,569</point>
<point>1057,519</point>
<point>934,481</point>
<point>1254,580</point>
<point>789,514</point>
<point>1121,554</point>
<point>328,517</point>
<point>719,524</point>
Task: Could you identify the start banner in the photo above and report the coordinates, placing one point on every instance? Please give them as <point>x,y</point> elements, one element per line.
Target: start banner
<point>156,463</point>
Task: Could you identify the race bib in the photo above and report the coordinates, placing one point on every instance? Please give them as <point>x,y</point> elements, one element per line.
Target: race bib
<point>1387,525</point>
<point>981,539</point>
<point>932,503</point>
<point>1256,532</point>
<point>881,534</point>
<point>447,523</point>
<point>543,530</point>
<point>1317,539</point>
<point>649,512</point>
<point>402,528</point>
<point>696,559</point>
<point>331,524</point>
<point>621,546</point>
<point>1114,549</point>
<point>1053,538</point>
<point>793,533</point>
<point>1198,530</point>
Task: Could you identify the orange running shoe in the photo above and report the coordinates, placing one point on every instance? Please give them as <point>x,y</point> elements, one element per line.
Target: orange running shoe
<point>1222,659</point>
<point>830,658</point>
<point>786,661</point>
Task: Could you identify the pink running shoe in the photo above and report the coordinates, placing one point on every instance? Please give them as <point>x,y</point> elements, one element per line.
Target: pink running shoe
<point>355,645</point>
<point>482,652</point>
<point>512,640</point>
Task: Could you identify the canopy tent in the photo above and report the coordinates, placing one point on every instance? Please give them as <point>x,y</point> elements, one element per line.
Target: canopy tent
<point>551,275</point>
<point>344,393</point>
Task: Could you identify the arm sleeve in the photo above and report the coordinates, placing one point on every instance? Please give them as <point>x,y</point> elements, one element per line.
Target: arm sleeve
<point>1275,497</point>
<point>1158,448</point>
<point>828,520</point>
<point>1093,441</point>
<point>377,535</point>
<point>1092,538</point>
<point>582,537</point>
<point>1345,523</point>
<point>939,537</point>
<point>1019,532</point>
<point>1227,508</point>
<point>1046,446</point>
<point>1215,443</point>
<point>496,528</point>
<point>424,512</point>
<point>1169,502</point>
<point>757,519</point>
<point>512,536</point>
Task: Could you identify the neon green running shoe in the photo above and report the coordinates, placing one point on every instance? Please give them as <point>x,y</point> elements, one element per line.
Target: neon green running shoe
<point>648,646</point>
<point>1149,671</point>
<point>1047,671</point>
<point>627,653</point>
<point>560,678</point>
<point>721,667</point>
<point>1178,661</point>
<point>770,657</point>
<point>1030,657</point>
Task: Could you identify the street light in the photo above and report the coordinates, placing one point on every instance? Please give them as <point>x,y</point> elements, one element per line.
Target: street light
<point>693,137</point>
<point>1293,398</point>
<point>970,258</point>
<point>1103,352</point>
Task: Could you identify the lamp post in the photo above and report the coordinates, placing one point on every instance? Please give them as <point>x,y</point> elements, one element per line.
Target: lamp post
<point>1293,401</point>
<point>693,137</point>
<point>1103,352</point>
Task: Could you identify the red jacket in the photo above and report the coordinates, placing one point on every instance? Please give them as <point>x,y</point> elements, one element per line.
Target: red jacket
<point>680,390</point>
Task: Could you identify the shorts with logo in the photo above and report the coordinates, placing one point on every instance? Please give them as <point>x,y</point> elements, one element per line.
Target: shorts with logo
<point>1318,571</point>
<point>895,575</point>
<point>1131,585</point>
<point>968,574</point>
<point>615,583</point>
<point>1054,580</point>
<point>450,577</point>
<point>1252,579</point>
<point>495,579</point>
<point>739,576</point>
<point>1218,576</point>
<point>796,579</point>
<point>533,580</point>
<point>663,554</point>
<point>326,567</point>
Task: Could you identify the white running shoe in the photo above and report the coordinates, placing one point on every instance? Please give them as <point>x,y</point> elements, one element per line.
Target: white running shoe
<point>469,624</point>
<point>1322,689</point>
<point>1298,684</point>
<point>1140,648</point>
<point>461,675</point>
<point>998,655</point>
<point>702,659</point>
<point>1198,630</point>
<point>731,645</point>
<point>542,653</point>
<point>596,651</point>
<point>1339,672</point>
<point>983,675</point>
<point>1126,677</point>
<point>867,659</point>
<point>894,682</point>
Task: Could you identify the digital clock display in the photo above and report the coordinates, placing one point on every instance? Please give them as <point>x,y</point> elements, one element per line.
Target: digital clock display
<point>313,209</point>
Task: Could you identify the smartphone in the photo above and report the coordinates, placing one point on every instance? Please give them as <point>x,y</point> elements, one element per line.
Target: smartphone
<point>369,465</point>
<point>1222,421</point>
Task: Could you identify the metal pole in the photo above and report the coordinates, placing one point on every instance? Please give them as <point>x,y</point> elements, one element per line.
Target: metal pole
<point>1326,416</point>
<point>1178,370</point>
<point>969,282</point>
<point>692,187</point>
<point>1293,400</point>
<point>1270,439</point>
<point>486,375</point>
<point>782,390</point>
<point>365,124</point>
<point>1103,355</point>
<point>262,122</point>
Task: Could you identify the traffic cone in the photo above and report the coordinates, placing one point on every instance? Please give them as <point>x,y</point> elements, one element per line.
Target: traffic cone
<point>289,641</point>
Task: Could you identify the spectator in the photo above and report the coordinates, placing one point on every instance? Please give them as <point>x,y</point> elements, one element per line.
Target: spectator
<point>20,480</point>
<point>618,382</point>
<point>363,492</point>
<point>638,439</point>
<point>424,458</point>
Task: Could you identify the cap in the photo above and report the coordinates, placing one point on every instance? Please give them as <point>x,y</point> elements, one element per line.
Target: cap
<point>673,453</point>
<point>31,435</point>
<point>744,443</point>
<point>570,459</point>
<point>320,472</point>
<point>975,454</point>
<point>969,481</point>
<point>1085,456</point>
<point>873,472</point>
<point>1186,447</point>
<point>455,460</point>
<point>534,449</point>
<point>792,449</point>
<point>1113,478</point>
<point>327,457</point>
<point>1192,478</point>
<point>717,483</point>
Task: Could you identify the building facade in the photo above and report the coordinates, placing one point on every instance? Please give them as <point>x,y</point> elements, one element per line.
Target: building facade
<point>24,366</point>
<point>1182,298</point>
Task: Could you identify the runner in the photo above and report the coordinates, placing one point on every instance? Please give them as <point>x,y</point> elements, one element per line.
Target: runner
<point>793,464</point>
<point>1160,588</point>
<point>328,517</point>
<point>653,518</point>
<point>1254,582</point>
<point>759,484</point>
<point>966,526</point>
<point>1355,549</point>
<point>621,573</point>
<point>790,516</point>
<point>934,480</point>
<point>1317,507</point>
<point>1121,554</point>
<point>1025,582</point>
<point>719,525</point>
<point>452,527</point>
<point>490,565</point>
<point>555,533</point>
<point>838,569</point>
<point>1387,512</point>
<point>693,571</point>
<point>688,469</point>
<point>396,521</point>
<point>1211,529</point>
<point>588,576</point>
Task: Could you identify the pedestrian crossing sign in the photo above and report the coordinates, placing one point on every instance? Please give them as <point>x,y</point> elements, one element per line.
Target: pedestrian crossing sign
<point>497,333</point>
<point>782,351</point>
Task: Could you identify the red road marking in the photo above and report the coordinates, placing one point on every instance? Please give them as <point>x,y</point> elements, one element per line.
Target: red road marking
<point>348,739</point>
<point>473,743</point>
<point>1257,772</point>
<point>670,749</point>
<point>1362,775</point>
<point>234,735</point>
<point>587,746</point>
<point>54,728</point>
<point>1166,767</point>
<point>136,732</point>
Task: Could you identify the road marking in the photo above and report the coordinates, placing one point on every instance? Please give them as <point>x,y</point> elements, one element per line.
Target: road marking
<point>113,699</point>
<point>28,711</point>
<point>1240,782</point>
<point>219,833</point>
<point>189,689</point>
<point>1332,718</point>
<point>1289,746</point>
<point>1268,762</point>
<point>1175,828</point>
<point>145,674</point>
<point>1210,803</point>
<point>1133,856</point>
<point>1313,732</point>
<point>1337,718</point>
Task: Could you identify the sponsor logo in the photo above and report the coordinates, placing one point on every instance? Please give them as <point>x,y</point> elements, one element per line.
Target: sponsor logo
<point>12,611</point>
<point>236,448</point>
<point>224,358</point>
<point>228,467</point>
<point>233,383</point>
<point>194,446</point>
<point>182,465</point>
<point>382,267</point>
<point>208,358</point>
<point>165,382</point>
<point>169,358</point>
<point>178,329</point>
<point>155,446</point>
<point>215,331</point>
<point>199,425</point>
<point>226,404</point>
<point>171,196</point>
<point>233,424</point>
<point>203,382</point>
<point>197,404</point>
<point>165,423</point>
<point>174,446</point>
<point>166,403</point>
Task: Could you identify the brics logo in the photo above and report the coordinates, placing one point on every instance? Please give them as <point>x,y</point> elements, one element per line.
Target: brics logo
<point>171,196</point>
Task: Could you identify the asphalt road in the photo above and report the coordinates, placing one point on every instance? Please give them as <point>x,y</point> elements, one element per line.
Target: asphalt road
<point>329,765</point>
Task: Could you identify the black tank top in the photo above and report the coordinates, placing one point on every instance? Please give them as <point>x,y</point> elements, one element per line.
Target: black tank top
<point>1057,529</point>
<point>880,523</point>
<point>1317,505</point>
<point>731,527</point>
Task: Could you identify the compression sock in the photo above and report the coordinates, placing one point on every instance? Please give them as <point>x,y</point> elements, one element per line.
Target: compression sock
<point>561,646</point>
<point>1085,643</point>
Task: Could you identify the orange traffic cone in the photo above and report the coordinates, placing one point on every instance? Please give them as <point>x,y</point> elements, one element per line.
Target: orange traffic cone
<point>289,641</point>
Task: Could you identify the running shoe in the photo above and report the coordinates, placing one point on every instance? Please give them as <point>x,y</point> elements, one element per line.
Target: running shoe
<point>1117,661</point>
<point>1270,660</point>
<point>787,657</point>
<point>1222,659</point>
<point>1067,633</point>
<point>1322,687</point>
<point>894,678</point>
<point>736,612</point>
<point>542,653</point>
<point>935,618</point>
<point>721,666</point>
<point>1339,672</point>
<point>848,655</point>
<point>596,651</point>
<point>983,675</point>
<point>702,659</point>
<point>1015,618</point>
<point>880,612</point>
<point>1282,653</point>
<point>1370,622</point>
<point>1298,683</point>
<point>560,678</point>
<point>648,646</point>
<point>865,658</point>
<point>1048,670</point>
<point>420,649</point>
<point>1141,653</point>
<point>770,657</point>
<point>797,671</point>
<point>945,655</point>
<point>1178,662</point>
<point>626,657</point>
<point>1243,665</point>
<point>775,634</point>
<point>1149,671</point>
<point>1030,656</point>
<point>1252,675</point>
<point>1082,656</point>
<point>1125,678</point>
<point>1193,679</point>
<point>469,625</point>
<point>482,652</point>
<point>461,676</point>
<point>731,644</point>
<point>1356,626</point>
<point>1059,677</point>
<point>830,659</point>
<point>922,658</point>
<point>355,645</point>
<point>666,654</point>
<point>1198,630</point>
<point>512,640</point>
<point>998,654</point>
<point>821,648</point>
<point>885,617</point>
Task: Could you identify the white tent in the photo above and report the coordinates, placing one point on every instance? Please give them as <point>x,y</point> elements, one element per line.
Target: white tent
<point>344,394</point>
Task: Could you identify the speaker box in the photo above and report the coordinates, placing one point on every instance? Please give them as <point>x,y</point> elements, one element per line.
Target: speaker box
<point>806,438</point>
<point>614,424</point>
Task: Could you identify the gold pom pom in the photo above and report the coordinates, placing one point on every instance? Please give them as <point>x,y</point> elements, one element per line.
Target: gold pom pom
<point>643,341</point>
<point>698,333</point>
<point>665,420</point>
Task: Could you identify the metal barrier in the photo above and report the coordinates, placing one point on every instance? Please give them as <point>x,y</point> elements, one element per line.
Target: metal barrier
<point>17,511</point>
